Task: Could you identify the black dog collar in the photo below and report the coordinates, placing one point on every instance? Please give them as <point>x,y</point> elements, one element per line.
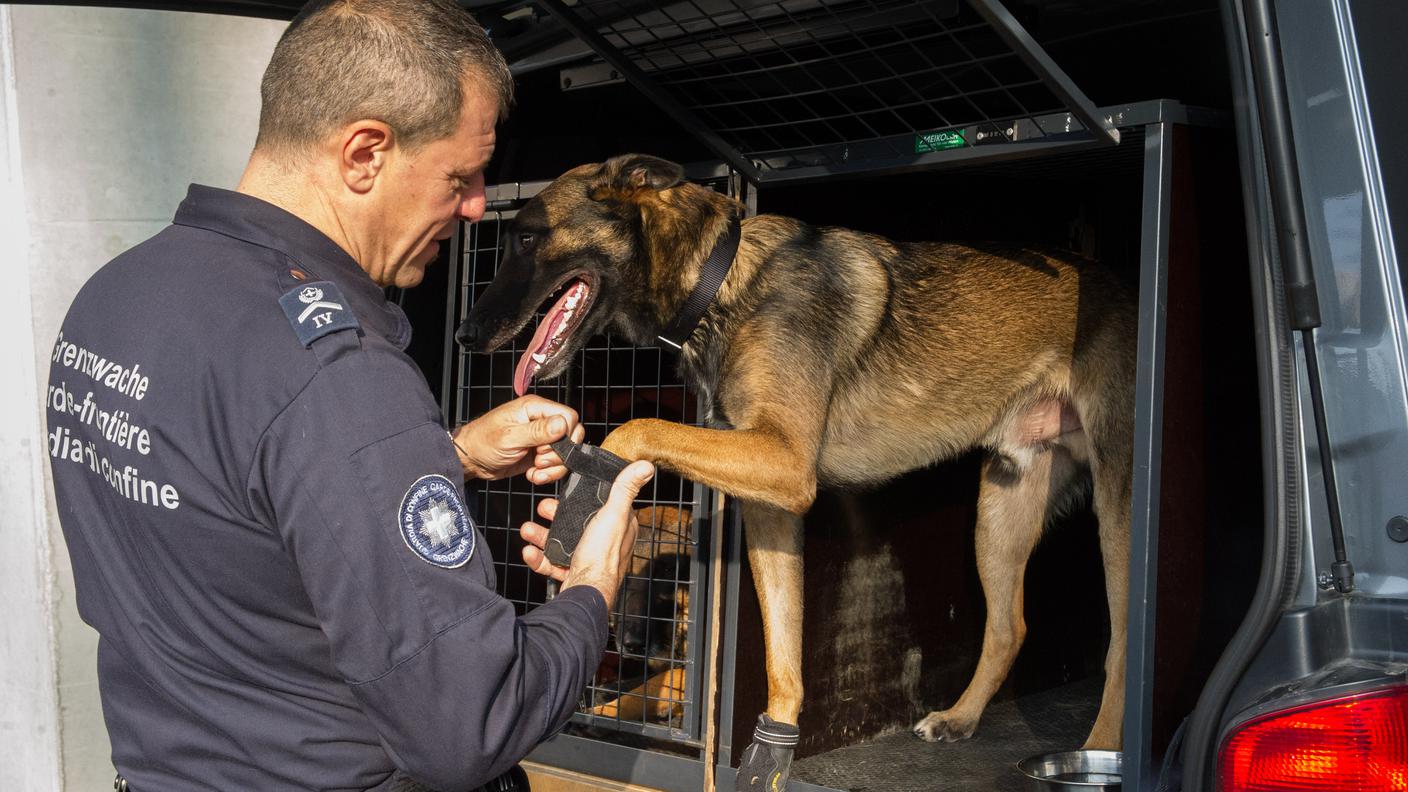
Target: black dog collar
<point>711,277</point>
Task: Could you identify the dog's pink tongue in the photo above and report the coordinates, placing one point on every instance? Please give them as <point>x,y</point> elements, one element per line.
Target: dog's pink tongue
<point>542,339</point>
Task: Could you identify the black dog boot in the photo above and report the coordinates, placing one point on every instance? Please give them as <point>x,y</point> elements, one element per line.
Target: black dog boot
<point>767,760</point>
<point>593,471</point>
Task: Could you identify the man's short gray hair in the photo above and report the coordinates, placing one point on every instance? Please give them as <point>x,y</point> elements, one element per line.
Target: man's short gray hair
<point>401,62</point>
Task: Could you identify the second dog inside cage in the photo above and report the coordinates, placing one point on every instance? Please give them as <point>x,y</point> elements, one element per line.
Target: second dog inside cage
<point>649,680</point>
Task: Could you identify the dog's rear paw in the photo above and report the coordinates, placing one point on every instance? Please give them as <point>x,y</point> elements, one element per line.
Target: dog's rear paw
<point>945,726</point>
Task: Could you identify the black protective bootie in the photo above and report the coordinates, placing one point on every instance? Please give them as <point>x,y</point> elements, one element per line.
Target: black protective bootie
<point>593,472</point>
<point>767,760</point>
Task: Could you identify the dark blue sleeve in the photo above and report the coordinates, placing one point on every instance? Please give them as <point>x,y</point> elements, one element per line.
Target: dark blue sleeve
<point>367,493</point>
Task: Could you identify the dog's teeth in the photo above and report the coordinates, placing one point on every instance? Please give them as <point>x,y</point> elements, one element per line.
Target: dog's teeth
<point>562,325</point>
<point>539,357</point>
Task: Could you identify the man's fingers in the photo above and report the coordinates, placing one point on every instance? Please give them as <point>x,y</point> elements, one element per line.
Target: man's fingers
<point>535,407</point>
<point>534,537</point>
<point>536,561</point>
<point>533,534</point>
<point>547,466</point>
<point>546,457</point>
<point>547,509</point>
<point>579,433</point>
<point>538,432</point>
<point>546,475</point>
<point>628,485</point>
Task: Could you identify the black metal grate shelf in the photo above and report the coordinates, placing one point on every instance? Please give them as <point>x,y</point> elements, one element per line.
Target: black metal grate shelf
<point>782,87</point>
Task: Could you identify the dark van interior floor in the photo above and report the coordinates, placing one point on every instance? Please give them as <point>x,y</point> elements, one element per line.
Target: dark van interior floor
<point>1052,720</point>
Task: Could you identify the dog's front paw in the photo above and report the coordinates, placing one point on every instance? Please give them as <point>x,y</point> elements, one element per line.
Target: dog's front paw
<point>945,726</point>
<point>767,760</point>
<point>625,440</point>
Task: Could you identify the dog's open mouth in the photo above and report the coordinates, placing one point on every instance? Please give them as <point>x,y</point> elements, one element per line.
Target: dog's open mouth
<point>551,336</point>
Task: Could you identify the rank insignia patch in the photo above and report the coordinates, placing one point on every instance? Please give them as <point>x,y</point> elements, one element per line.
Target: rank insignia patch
<point>434,524</point>
<point>316,309</point>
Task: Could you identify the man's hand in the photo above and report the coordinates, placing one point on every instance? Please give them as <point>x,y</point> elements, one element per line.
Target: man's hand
<point>513,438</point>
<point>603,556</point>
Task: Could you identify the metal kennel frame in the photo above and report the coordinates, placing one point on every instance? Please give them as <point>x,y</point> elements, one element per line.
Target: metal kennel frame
<point>672,760</point>
<point>789,91</point>
<point>803,89</point>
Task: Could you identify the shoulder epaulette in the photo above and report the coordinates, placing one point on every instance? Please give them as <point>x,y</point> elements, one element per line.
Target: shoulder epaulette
<point>316,309</point>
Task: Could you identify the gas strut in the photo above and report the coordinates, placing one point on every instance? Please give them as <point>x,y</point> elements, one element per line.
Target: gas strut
<point>1302,301</point>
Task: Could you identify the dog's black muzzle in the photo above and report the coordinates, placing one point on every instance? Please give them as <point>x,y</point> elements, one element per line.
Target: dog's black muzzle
<point>503,305</point>
<point>469,334</point>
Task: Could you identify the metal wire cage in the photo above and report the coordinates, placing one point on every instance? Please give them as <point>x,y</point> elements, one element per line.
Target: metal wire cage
<point>649,680</point>
<point>786,88</point>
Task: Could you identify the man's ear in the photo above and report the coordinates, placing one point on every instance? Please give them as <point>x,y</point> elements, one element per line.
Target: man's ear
<point>363,150</point>
<point>627,176</point>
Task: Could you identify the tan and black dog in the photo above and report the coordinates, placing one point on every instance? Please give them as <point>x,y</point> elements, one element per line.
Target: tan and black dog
<point>654,620</point>
<point>831,357</point>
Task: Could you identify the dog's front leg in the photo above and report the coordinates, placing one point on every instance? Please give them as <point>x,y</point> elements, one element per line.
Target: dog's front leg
<point>775,553</point>
<point>760,463</point>
<point>775,479</point>
<point>773,472</point>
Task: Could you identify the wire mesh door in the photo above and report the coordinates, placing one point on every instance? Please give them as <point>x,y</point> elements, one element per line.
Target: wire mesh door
<point>650,679</point>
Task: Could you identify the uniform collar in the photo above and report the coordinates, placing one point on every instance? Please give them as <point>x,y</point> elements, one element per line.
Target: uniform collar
<point>261,223</point>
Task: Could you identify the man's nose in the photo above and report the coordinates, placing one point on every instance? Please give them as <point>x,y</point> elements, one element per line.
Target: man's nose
<point>471,207</point>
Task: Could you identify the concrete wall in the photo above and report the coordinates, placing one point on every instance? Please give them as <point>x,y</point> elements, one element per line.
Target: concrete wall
<point>107,115</point>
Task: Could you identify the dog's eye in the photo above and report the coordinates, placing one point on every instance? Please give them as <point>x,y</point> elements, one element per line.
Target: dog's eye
<point>526,240</point>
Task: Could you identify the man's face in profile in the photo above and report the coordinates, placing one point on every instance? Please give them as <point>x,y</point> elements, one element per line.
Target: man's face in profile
<point>429,190</point>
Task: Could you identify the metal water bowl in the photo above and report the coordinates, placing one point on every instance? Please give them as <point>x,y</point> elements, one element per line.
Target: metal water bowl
<point>1073,771</point>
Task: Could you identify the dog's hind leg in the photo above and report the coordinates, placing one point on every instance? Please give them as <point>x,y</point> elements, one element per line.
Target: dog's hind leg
<point>775,553</point>
<point>1110,466</point>
<point>1013,505</point>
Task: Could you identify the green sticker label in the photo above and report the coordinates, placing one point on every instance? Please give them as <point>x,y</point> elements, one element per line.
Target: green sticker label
<point>938,141</point>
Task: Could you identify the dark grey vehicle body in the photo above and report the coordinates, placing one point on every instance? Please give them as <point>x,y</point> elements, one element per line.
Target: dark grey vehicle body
<point>1343,120</point>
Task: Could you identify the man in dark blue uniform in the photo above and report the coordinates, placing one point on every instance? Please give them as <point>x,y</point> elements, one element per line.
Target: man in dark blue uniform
<point>265,515</point>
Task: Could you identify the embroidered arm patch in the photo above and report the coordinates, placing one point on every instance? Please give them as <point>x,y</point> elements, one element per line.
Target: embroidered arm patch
<point>316,309</point>
<point>434,523</point>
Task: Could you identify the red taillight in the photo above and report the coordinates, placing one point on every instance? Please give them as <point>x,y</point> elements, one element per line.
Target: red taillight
<point>1352,744</point>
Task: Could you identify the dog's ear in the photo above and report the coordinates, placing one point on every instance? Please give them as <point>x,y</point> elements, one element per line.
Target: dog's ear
<point>627,176</point>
